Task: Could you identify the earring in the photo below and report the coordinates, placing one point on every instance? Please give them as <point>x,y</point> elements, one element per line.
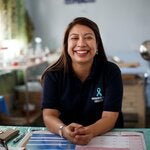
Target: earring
<point>96,52</point>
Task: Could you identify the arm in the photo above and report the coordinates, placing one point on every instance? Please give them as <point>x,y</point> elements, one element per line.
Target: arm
<point>50,115</point>
<point>53,123</point>
<point>51,119</point>
<point>76,133</point>
<point>106,123</point>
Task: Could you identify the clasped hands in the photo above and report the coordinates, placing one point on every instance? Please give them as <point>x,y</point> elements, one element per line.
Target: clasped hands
<point>77,134</point>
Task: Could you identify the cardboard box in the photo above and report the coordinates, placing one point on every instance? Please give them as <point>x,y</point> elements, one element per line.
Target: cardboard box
<point>31,95</point>
<point>134,100</point>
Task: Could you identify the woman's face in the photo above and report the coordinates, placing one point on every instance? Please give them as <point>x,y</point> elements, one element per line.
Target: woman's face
<point>81,44</point>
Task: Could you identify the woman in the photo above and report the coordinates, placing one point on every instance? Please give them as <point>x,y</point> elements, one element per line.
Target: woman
<point>82,91</point>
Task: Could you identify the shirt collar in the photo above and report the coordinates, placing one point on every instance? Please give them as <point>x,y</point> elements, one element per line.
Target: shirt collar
<point>97,64</point>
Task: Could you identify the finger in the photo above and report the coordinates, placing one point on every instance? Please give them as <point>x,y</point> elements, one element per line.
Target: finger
<point>82,131</point>
<point>81,140</point>
<point>75,124</point>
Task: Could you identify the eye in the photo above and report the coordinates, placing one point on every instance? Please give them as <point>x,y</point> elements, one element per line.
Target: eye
<point>88,37</point>
<point>74,38</point>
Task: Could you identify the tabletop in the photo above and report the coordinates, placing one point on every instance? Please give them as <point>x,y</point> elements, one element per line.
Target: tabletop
<point>26,129</point>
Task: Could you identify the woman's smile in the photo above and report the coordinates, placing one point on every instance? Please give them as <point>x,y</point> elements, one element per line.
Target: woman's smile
<point>81,44</point>
<point>81,51</point>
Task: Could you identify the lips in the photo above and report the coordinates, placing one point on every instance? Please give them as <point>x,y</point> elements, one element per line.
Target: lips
<point>81,51</point>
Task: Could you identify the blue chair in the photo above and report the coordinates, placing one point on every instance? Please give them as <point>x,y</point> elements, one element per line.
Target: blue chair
<point>3,106</point>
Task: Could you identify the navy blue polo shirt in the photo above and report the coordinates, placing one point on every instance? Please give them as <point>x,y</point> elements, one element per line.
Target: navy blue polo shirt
<point>83,102</point>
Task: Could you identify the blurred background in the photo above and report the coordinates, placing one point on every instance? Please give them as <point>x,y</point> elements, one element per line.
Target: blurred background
<point>31,33</point>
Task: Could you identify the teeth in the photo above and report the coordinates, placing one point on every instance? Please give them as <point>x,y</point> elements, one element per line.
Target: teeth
<point>81,52</point>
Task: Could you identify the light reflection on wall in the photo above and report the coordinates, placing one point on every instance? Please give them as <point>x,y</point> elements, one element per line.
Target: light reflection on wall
<point>10,50</point>
<point>1,26</point>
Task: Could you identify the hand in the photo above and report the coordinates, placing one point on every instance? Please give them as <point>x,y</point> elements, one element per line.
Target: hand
<point>70,131</point>
<point>83,136</point>
<point>77,134</point>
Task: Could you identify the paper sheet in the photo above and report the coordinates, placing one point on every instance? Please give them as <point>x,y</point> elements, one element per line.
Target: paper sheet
<point>109,141</point>
<point>116,141</point>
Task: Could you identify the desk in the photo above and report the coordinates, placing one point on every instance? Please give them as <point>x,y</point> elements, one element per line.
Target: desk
<point>146,132</point>
<point>24,68</point>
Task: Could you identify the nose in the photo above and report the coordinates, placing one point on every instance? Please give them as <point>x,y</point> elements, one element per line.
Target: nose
<point>81,42</point>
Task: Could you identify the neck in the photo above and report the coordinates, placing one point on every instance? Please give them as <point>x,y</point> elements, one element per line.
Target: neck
<point>82,70</point>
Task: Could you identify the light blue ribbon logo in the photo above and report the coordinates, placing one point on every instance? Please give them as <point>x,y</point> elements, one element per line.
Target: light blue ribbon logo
<point>99,92</point>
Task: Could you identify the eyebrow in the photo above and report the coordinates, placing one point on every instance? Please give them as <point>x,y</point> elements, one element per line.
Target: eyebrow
<point>72,34</point>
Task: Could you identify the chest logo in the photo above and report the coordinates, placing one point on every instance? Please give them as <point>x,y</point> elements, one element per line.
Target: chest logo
<point>99,97</point>
<point>99,92</point>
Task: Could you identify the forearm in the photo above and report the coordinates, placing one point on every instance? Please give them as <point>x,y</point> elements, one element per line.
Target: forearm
<point>103,125</point>
<point>55,125</point>
<point>52,121</point>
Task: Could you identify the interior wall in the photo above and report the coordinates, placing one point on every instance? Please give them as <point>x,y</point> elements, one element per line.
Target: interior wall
<point>124,25</point>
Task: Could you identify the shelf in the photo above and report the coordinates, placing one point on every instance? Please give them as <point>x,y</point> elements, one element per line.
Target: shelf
<point>16,119</point>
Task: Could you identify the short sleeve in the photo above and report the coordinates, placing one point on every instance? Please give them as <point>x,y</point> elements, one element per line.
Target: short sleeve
<point>113,89</point>
<point>50,92</point>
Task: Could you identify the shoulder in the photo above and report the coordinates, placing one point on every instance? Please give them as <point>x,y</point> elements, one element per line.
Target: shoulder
<point>54,75</point>
<point>110,69</point>
<point>107,66</point>
<point>112,66</point>
<point>112,72</point>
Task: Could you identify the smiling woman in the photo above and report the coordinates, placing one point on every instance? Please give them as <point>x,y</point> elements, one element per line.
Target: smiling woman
<point>82,48</point>
<point>82,90</point>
